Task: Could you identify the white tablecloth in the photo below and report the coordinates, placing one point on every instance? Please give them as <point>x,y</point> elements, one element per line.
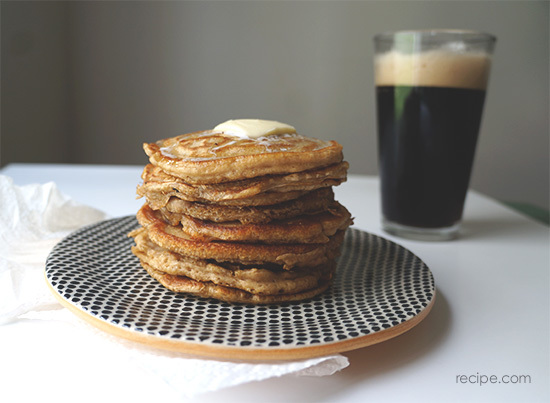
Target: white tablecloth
<point>486,339</point>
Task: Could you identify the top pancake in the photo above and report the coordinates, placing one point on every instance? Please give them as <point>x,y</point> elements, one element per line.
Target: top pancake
<point>207,157</point>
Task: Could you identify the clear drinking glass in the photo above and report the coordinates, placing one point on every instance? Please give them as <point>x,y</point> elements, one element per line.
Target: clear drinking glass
<point>430,91</point>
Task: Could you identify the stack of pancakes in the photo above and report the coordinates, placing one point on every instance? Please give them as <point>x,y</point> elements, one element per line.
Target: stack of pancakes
<point>249,220</point>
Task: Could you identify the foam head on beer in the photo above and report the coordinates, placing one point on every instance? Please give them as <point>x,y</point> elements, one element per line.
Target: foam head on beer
<point>447,67</point>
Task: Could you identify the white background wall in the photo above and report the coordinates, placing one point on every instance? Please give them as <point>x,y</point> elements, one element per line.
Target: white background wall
<point>88,82</point>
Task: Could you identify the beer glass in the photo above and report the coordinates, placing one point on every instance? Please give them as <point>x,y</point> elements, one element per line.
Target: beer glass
<point>430,90</point>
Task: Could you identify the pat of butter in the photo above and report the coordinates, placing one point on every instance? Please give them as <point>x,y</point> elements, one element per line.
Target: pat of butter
<point>254,128</point>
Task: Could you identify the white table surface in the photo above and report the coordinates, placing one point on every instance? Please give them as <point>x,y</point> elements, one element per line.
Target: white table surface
<point>491,316</point>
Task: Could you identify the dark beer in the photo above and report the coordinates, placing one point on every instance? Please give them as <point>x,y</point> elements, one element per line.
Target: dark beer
<point>430,89</point>
<point>427,139</point>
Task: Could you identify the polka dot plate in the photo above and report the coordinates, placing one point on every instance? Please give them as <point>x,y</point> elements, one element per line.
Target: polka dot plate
<point>380,291</point>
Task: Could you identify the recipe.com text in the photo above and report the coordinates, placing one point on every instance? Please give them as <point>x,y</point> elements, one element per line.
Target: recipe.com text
<point>481,379</point>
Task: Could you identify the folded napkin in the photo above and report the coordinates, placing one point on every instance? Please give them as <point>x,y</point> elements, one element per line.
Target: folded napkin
<point>33,219</point>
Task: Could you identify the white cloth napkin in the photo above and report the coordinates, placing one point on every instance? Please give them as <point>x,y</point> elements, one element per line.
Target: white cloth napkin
<point>33,219</point>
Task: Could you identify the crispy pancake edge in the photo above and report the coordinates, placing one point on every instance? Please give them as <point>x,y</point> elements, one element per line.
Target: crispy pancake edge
<point>314,228</point>
<point>253,279</point>
<point>312,202</point>
<point>209,290</point>
<point>289,255</point>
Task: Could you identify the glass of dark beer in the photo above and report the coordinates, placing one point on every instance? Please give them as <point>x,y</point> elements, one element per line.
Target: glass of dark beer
<point>430,89</point>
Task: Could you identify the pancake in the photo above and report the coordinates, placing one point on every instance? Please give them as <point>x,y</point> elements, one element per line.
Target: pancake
<point>258,279</point>
<point>311,203</point>
<point>155,180</point>
<point>159,194</point>
<point>288,255</point>
<point>228,294</point>
<point>311,228</point>
<point>208,157</point>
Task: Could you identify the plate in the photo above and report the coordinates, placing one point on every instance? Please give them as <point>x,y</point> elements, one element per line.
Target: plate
<point>380,291</point>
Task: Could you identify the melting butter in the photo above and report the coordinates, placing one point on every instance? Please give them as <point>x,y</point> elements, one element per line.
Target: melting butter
<point>253,128</point>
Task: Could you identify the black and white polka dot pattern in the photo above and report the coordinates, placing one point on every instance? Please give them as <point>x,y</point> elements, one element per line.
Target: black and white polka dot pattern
<point>378,285</point>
